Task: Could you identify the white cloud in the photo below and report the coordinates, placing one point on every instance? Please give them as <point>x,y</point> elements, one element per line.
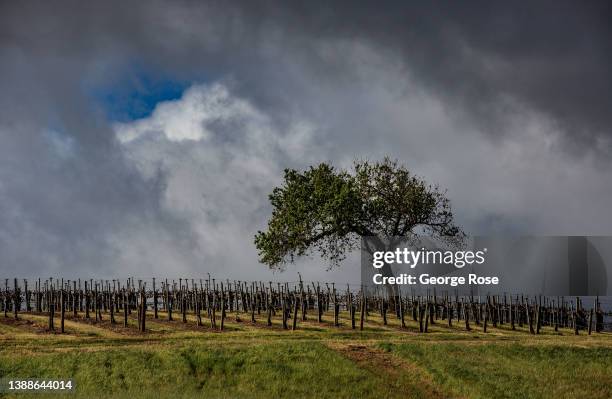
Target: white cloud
<point>221,157</point>
<point>190,117</point>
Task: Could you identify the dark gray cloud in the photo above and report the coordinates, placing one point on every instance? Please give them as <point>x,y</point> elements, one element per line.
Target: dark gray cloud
<point>487,59</point>
<point>333,81</point>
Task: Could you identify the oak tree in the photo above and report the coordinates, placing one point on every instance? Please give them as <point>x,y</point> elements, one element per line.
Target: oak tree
<point>328,210</point>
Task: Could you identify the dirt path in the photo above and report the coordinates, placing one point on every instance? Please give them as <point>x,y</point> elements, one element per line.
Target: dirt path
<point>407,378</point>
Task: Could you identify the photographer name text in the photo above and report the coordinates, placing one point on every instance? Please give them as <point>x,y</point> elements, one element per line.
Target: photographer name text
<point>426,279</point>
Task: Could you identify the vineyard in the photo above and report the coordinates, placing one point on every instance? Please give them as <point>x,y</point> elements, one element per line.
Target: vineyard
<point>215,338</point>
<point>212,302</point>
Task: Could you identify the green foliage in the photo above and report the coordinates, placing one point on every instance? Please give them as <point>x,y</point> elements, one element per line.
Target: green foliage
<point>328,210</point>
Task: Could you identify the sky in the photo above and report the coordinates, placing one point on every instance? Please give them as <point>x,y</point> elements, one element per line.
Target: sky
<point>143,139</point>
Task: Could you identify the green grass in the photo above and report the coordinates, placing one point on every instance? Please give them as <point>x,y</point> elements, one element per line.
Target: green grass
<point>317,360</point>
<point>200,369</point>
<point>513,370</point>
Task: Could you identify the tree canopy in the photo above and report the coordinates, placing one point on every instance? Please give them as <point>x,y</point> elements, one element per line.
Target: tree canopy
<point>327,210</point>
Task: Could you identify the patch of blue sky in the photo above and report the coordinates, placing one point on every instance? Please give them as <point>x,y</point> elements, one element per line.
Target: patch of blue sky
<point>135,94</point>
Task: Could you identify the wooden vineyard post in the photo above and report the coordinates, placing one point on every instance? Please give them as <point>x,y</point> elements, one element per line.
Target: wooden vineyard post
<point>198,295</point>
<point>230,297</point>
<point>155,304</point>
<point>74,300</point>
<point>94,293</point>
<point>138,305</point>
<point>238,296</point>
<point>112,305</point>
<point>319,304</point>
<point>449,311</point>
<point>62,310</point>
<point>352,310</point>
<point>505,313</point>
<point>258,297</point>
<point>444,308</point>
<point>284,306</point>
<point>5,298</point>
<point>211,304</point>
<point>183,299</point>
<point>16,300</point>
<point>598,316</point>
<point>295,311</point>
<point>575,313</point>
<point>95,301</point>
<point>518,307</point>
<point>401,308</point>
<point>432,307</point>
<point>383,310</point>
<point>50,306</point>
<point>302,299</point>
<point>497,315</point>
<point>538,320</point>
<point>203,302</point>
<point>327,298</point>
<point>222,308</point>
<point>114,301</point>
<point>100,301</point>
<point>184,304</point>
<point>336,307</point>
<point>363,307</point>
<point>86,301</point>
<point>125,307</point>
<point>144,307</point>
<point>494,313</point>
<point>167,300</point>
<point>420,314</point>
<point>37,295</point>
<point>213,312</point>
<point>251,303</point>
<point>243,299</point>
<point>486,315</point>
<point>566,314</point>
<point>269,304</point>
<point>115,297</point>
<point>529,318</point>
<point>575,322</point>
<point>79,298</point>
<point>556,314</point>
<point>28,295</point>
<point>466,314</point>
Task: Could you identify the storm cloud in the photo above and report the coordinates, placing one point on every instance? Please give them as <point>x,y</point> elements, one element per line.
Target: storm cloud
<point>144,139</point>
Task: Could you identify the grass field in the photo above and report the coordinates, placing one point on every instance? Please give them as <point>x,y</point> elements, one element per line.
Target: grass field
<point>318,360</point>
